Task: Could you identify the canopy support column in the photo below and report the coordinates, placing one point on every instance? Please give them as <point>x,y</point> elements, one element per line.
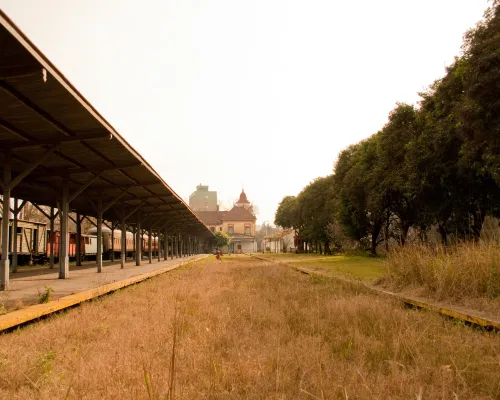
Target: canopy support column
<point>78,240</point>
<point>138,241</point>
<point>52,237</point>
<point>4,263</point>
<point>150,246</point>
<point>112,255</point>
<point>123,253</point>
<point>14,236</point>
<point>99,235</point>
<point>159,245</point>
<point>64,232</point>
<point>165,244</point>
<point>176,245</point>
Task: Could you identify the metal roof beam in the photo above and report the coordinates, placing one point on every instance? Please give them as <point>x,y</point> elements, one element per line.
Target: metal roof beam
<point>103,188</point>
<point>19,72</point>
<point>31,167</point>
<point>108,206</point>
<point>127,216</point>
<point>83,187</point>
<point>154,197</point>
<point>14,130</point>
<point>52,141</point>
<point>76,171</point>
<point>14,93</point>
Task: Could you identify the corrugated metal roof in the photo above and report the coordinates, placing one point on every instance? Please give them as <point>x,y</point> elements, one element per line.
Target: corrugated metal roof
<point>40,110</point>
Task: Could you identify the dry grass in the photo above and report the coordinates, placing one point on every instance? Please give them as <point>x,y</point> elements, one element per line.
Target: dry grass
<point>466,270</point>
<point>465,275</point>
<point>247,329</point>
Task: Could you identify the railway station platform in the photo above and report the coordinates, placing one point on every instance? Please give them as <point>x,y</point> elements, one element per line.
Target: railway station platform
<point>22,300</point>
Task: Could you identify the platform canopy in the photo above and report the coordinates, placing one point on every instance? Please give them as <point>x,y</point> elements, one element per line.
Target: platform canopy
<point>52,135</point>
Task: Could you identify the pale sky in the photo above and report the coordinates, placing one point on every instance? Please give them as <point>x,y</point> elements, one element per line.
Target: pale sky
<point>259,93</point>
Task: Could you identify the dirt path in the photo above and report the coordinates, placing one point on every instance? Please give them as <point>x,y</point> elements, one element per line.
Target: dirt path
<point>247,329</point>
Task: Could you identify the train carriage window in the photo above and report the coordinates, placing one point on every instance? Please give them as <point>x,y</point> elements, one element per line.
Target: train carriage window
<point>86,240</point>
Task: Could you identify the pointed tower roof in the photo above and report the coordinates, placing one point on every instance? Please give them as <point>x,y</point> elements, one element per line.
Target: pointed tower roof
<point>243,198</point>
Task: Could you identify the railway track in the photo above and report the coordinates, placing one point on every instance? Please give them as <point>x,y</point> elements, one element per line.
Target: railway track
<point>465,316</point>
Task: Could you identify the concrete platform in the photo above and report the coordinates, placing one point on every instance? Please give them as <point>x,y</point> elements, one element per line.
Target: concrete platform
<point>84,284</point>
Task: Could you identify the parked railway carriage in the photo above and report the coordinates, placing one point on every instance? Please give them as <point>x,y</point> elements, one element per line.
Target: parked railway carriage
<point>88,245</point>
<point>108,248</point>
<point>31,241</point>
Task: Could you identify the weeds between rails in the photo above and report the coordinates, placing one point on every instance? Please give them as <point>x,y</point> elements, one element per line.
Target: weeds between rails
<point>461,315</point>
<point>247,329</point>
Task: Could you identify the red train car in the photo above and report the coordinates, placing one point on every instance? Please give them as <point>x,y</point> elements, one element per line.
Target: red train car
<point>88,244</point>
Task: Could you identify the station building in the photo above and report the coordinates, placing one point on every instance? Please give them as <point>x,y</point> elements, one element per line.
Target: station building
<point>238,223</point>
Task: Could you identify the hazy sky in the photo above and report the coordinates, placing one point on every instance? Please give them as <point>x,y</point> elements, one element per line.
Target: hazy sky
<point>261,93</point>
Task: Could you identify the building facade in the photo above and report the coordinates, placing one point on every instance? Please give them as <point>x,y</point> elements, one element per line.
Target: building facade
<point>282,242</point>
<point>203,199</point>
<point>238,223</point>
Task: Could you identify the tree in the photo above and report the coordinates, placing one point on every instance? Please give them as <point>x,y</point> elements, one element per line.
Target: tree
<point>479,116</point>
<point>392,191</point>
<point>358,210</point>
<point>222,239</point>
<point>435,165</point>
<point>287,214</point>
<point>316,211</point>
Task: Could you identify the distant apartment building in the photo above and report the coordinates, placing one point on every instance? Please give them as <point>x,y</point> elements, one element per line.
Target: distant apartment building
<point>203,199</point>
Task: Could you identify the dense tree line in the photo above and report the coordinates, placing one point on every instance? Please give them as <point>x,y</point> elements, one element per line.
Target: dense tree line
<point>432,166</point>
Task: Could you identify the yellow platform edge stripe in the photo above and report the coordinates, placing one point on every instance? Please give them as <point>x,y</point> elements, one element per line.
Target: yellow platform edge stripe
<point>449,312</point>
<point>22,316</point>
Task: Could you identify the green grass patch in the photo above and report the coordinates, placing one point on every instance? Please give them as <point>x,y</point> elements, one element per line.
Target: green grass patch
<point>357,267</point>
<point>290,256</point>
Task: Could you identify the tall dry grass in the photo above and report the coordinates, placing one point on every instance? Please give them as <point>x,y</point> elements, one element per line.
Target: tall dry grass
<point>247,330</point>
<point>461,271</point>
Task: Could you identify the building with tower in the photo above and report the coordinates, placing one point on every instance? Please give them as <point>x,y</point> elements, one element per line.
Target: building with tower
<point>238,223</point>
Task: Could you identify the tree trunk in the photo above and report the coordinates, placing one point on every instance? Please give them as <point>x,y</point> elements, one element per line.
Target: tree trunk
<point>327,248</point>
<point>477,225</point>
<point>386,236</point>
<point>375,232</point>
<point>443,233</point>
<point>404,234</point>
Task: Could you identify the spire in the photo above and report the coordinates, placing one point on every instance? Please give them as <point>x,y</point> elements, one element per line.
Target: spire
<point>243,198</point>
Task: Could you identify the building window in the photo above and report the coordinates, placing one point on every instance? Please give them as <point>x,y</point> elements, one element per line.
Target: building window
<point>247,230</point>
<point>230,229</point>
<point>220,229</point>
<point>212,228</point>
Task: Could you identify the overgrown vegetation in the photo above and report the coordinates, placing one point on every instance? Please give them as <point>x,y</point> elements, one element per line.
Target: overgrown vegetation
<point>247,330</point>
<point>466,270</point>
<point>431,168</point>
<point>46,295</point>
